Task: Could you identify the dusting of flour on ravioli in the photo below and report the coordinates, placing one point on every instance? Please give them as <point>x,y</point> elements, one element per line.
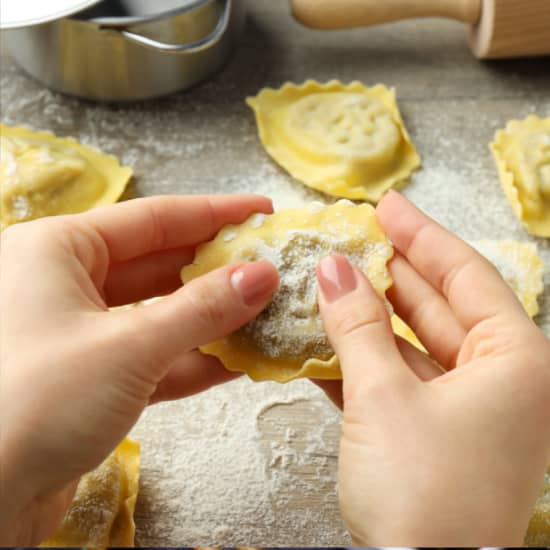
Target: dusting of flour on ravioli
<point>287,340</point>
<point>344,140</point>
<point>291,325</point>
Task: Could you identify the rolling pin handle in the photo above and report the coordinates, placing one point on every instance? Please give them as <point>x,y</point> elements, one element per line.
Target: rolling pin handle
<point>328,14</point>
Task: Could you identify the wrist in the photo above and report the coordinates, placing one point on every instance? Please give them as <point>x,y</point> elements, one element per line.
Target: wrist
<point>440,536</point>
<point>420,528</point>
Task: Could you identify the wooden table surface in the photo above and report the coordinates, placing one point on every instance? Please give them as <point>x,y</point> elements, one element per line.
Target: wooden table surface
<point>255,464</point>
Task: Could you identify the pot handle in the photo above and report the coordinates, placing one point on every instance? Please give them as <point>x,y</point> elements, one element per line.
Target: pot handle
<point>191,47</point>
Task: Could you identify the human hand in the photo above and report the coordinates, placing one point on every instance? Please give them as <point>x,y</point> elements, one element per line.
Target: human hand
<point>75,376</point>
<point>432,459</point>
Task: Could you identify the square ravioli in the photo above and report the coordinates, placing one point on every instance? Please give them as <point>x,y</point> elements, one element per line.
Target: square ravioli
<point>344,140</point>
<point>287,340</point>
<point>43,175</point>
<point>520,266</point>
<point>538,534</point>
<point>522,155</point>
<point>102,512</point>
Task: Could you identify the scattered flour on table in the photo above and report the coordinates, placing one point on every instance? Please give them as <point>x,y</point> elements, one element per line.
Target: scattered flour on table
<point>266,178</point>
<point>508,261</point>
<point>231,466</point>
<point>224,467</point>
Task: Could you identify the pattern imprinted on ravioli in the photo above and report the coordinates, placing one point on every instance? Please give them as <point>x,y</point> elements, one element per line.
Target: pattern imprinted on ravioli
<point>347,141</point>
<point>522,155</point>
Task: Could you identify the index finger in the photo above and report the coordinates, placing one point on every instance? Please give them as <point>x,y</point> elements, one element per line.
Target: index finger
<point>472,285</point>
<point>140,226</point>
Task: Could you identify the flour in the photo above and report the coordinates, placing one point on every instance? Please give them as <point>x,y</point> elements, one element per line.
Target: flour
<point>256,221</point>
<point>291,325</point>
<point>8,159</point>
<point>229,236</point>
<point>206,475</point>
<point>96,504</point>
<point>21,208</point>
<point>233,467</point>
<point>508,261</point>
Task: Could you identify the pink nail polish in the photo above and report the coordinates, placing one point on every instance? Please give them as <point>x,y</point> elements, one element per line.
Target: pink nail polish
<point>336,277</point>
<point>255,282</point>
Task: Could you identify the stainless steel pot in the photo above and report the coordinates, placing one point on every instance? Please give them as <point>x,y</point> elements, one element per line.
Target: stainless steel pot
<point>125,50</point>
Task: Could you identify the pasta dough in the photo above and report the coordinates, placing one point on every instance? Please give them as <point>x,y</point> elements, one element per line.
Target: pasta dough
<point>287,340</point>
<point>520,266</point>
<point>522,155</point>
<point>102,512</point>
<point>347,141</point>
<point>538,534</point>
<point>402,329</point>
<point>43,175</point>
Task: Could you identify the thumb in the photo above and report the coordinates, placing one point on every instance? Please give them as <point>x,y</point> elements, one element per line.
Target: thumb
<point>358,325</point>
<point>205,309</point>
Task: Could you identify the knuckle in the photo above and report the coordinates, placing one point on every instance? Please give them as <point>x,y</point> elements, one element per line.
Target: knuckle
<point>141,328</point>
<point>381,392</point>
<point>205,306</point>
<point>91,249</point>
<point>158,237</point>
<point>355,321</point>
<point>23,236</point>
<point>423,312</point>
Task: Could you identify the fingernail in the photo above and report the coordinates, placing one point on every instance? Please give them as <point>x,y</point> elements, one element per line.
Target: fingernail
<point>336,277</point>
<point>255,282</point>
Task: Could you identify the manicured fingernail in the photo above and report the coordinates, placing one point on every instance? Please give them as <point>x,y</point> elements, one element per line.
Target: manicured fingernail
<point>336,277</point>
<point>255,282</point>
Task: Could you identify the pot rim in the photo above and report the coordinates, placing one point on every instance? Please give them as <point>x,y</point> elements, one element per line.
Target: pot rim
<point>47,14</point>
<point>126,21</point>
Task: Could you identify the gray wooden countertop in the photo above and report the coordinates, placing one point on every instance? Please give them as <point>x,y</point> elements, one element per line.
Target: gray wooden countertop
<point>255,464</point>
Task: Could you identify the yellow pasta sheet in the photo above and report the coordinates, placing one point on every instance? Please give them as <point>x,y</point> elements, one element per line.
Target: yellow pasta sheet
<point>43,175</point>
<point>345,140</point>
<point>520,266</point>
<point>538,534</point>
<point>522,155</point>
<point>287,340</point>
<point>102,512</point>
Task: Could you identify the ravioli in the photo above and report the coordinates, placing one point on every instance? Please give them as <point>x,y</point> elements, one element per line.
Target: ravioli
<point>344,140</point>
<point>102,512</point>
<point>522,155</point>
<point>400,328</point>
<point>287,340</point>
<point>520,266</point>
<point>538,534</point>
<point>43,175</point>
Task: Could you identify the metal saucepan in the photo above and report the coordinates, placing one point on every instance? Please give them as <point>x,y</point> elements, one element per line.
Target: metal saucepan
<point>125,50</point>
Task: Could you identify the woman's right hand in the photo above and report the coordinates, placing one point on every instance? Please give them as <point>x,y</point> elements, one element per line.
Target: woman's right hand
<point>430,458</point>
<point>76,376</point>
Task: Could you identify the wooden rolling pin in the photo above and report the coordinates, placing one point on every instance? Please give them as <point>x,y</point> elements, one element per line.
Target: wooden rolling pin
<point>500,28</point>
